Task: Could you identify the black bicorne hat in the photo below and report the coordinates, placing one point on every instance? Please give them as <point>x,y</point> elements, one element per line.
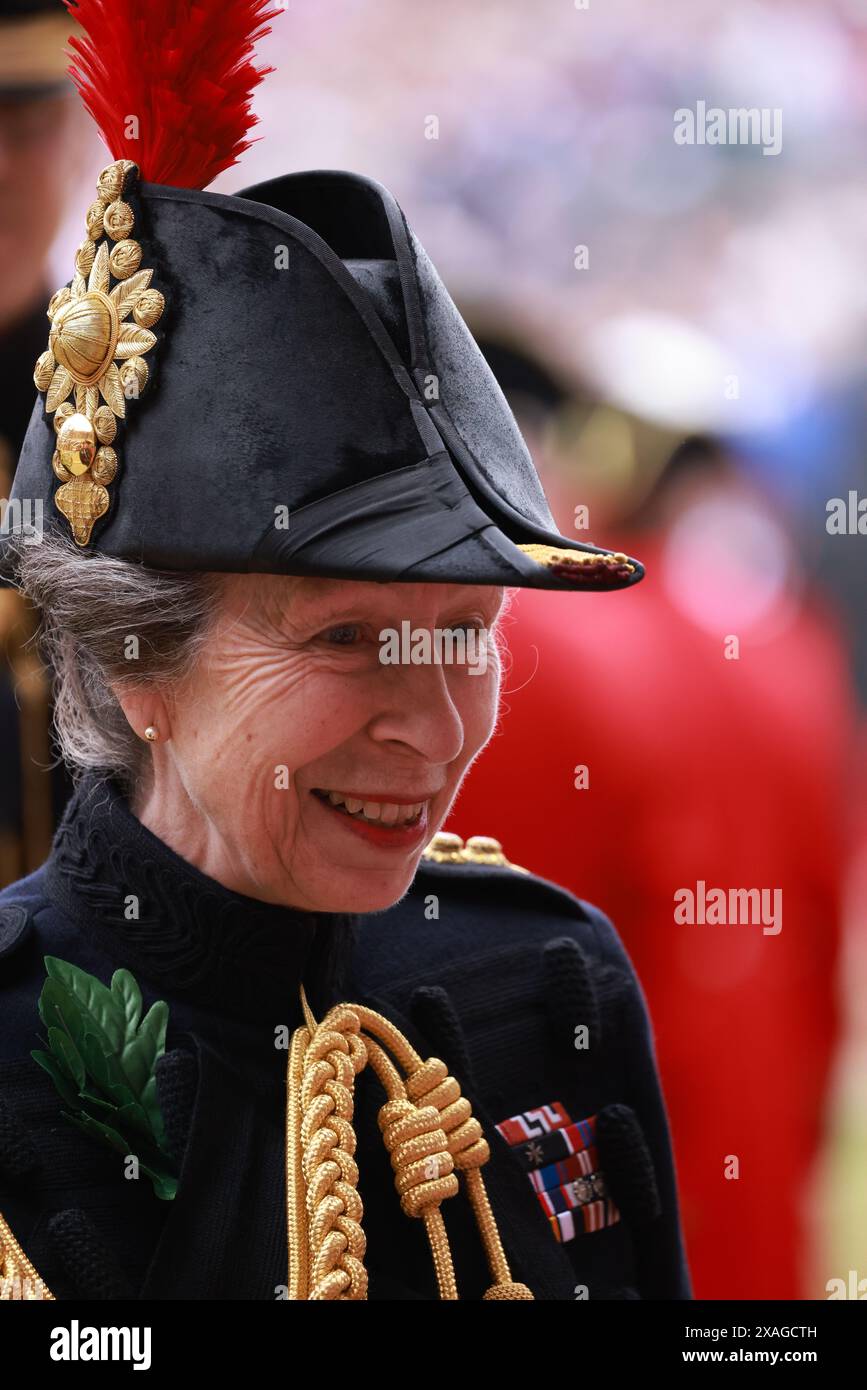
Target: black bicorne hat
<point>279,382</point>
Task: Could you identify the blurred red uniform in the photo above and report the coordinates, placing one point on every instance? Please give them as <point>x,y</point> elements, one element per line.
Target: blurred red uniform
<point>700,768</point>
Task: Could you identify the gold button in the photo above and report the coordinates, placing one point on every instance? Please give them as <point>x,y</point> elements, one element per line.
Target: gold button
<point>445,841</point>
<point>485,847</point>
<point>445,847</point>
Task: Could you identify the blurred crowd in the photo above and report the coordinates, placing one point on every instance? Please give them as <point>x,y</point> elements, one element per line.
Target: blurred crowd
<point>680,330</point>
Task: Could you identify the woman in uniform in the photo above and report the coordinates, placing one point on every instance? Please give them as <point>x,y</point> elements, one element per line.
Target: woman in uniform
<point>266,1031</point>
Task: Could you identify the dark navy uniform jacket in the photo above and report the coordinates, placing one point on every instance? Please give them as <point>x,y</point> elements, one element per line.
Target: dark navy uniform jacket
<point>525,992</point>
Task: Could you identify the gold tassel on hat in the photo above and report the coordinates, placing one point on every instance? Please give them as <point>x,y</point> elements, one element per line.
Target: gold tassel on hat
<point>428,1129</point>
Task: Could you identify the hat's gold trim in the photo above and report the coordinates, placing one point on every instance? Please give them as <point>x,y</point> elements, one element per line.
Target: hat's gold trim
<point>552,555</point>
<point>18,1278</point>
<point>95,360</point>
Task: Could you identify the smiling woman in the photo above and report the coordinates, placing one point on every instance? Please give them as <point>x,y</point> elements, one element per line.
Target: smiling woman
<point>255,837</point>
<point>258,799</point>
<point>287,759</point>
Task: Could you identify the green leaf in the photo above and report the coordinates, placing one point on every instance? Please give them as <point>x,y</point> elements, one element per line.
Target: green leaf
<point>93,997</point>
<point>96,1061</point>
<point>140,1054</point>
<point>128,996</point>
<point>106,1071</point>
<point>108,1106</point>
<point>165,1186</point>
<point>98,1130</point>
<point>59,1055</point>
<point>100,1049</point>
<point>164,1181</point>
<point>119,1085</point>
<point>47,1063</point>
<point>67,1055</point>
<point>135,1116</point>
<point>59,1009</point>
<point>150,1101</point>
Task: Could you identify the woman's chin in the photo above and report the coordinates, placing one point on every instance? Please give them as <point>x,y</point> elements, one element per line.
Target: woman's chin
<point>361,895</point>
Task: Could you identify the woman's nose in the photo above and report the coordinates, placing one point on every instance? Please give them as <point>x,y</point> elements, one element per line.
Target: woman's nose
<point>420,711</point>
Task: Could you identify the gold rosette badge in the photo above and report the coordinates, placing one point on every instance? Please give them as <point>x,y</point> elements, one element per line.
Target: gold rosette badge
<point>95,361</point>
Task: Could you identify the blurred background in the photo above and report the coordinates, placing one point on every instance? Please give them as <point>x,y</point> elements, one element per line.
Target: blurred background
<point>680,329</point>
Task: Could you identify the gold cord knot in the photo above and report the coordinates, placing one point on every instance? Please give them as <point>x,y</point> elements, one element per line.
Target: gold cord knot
<point>418,1148</point>
<point>431,1084</point>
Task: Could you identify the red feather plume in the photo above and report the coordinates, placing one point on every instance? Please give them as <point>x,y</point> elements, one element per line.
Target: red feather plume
<point>183,68</point>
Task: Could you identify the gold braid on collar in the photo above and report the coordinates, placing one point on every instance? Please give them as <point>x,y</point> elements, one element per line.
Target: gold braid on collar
<point>431,1136</point>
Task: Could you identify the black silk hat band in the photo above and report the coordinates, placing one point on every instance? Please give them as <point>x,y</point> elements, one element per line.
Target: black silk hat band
<point>299,395</point>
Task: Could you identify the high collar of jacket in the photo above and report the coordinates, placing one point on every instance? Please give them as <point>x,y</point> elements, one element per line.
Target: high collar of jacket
<point>158,915</point>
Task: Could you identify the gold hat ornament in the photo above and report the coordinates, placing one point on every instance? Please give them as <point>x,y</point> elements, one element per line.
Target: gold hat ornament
<point>97,360</point>
<point>101,332</point>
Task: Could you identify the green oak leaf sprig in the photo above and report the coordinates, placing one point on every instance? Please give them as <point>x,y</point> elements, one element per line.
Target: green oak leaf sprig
<point>102,1058</point>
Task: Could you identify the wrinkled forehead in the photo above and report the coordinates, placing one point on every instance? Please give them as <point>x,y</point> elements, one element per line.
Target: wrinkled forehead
<point>279,597</point>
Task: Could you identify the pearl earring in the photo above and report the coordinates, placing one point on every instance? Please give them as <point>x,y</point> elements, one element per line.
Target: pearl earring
<point>151,734</point>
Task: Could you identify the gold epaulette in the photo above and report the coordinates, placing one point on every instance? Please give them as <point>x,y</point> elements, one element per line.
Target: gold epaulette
<point>447,848</point>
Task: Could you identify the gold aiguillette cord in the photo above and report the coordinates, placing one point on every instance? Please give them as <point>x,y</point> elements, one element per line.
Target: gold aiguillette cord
<point>430,1133</point>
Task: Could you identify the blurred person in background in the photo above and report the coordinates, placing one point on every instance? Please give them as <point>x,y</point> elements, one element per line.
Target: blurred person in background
<point>665,754</point>
<point>39,119</point>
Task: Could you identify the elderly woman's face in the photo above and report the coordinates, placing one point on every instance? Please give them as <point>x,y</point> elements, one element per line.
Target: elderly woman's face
<point>302,767</point>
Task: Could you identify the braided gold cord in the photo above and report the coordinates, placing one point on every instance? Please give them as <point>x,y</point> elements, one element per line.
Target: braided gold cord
<point>296,1223</point>
<point>428,1129</point>
<point>19,1280</point>
<point>323,1208</point>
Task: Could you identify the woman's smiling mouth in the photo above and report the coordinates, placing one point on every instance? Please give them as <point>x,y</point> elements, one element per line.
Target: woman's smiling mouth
<point>399,824</point>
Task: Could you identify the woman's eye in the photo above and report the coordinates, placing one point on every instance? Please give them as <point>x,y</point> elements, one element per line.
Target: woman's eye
<point>343,636</point>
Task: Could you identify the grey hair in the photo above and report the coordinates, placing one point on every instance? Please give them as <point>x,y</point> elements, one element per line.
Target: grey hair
<point>105,623</point>
<point>91,607</point>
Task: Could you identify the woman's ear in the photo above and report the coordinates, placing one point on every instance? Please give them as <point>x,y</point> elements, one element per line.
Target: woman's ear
<point>146,712</point>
